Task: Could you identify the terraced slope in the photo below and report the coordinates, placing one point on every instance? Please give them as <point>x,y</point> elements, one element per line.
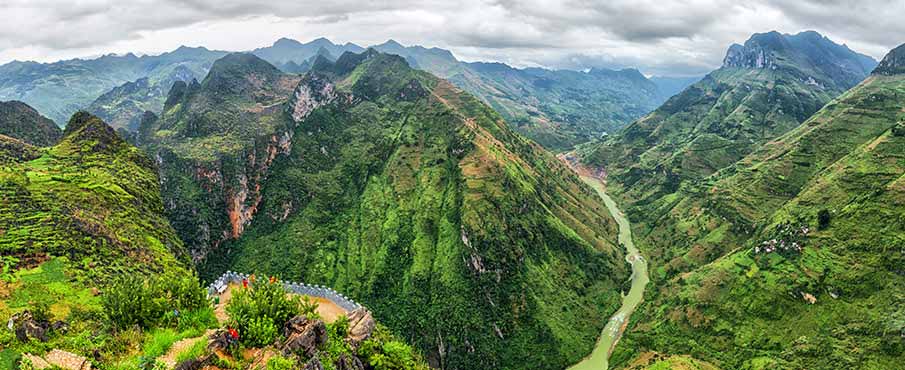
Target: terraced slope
<point>92,197</point>
<point>792,257</point>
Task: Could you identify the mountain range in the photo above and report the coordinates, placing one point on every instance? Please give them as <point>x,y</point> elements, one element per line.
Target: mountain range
<point>556,108</point>
<point>767,199</point>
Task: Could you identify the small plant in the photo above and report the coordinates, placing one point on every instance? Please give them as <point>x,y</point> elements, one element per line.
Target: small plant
<point>150,363</point>
<point>146,301</point>
<point>260,332</point>
<point>262,307</point>
<point>280,363</point>
<point>7,264</point>
<point>341,326</point>
<point>391,355</point>
<point>309,307</point>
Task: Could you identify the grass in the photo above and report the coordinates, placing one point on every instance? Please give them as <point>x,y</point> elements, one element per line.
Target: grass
<point>738,308</point>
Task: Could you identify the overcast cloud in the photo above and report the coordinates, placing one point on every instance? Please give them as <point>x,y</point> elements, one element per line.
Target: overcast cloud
<point>663,37</point>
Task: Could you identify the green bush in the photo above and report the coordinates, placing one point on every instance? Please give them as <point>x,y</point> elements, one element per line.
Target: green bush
<point>280,363</point>
<point>259,332</point>
<point>133,300</point>
<point>391,355</point>
<point>251,310</point>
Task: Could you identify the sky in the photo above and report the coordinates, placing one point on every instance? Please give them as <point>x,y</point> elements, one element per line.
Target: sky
<point>659,37</point>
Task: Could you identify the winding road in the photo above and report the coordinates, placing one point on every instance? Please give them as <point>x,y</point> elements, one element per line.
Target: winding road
<point>599,358</point>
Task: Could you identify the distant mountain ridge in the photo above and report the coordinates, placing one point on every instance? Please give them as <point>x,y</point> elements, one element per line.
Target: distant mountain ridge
<point>556,108</point>
<point>20,121</point>
<point>59,89</point>
<point>765,88</point>
<point>809,51</point>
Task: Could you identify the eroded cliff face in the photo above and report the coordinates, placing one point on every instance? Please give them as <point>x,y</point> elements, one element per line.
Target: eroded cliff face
<point>211,201</point>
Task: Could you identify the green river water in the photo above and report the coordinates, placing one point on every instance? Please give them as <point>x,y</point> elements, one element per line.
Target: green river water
<point>599,358</point>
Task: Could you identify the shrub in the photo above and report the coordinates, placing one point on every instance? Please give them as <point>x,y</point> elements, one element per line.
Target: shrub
<point>261,302</point>
<point>130,301</point>
<point>309,307</point>
<point>391,355</point>
<point>280,363</point>
<point>259,332</point>
<point>341,326</point>
<point>133,300</point>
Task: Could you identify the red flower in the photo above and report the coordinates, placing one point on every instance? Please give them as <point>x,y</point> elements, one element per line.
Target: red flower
<point>245,283</point>
<point>233,333</point>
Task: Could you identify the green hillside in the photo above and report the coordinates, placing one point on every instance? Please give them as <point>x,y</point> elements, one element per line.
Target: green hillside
<point>790,258</point>
<point>92,197</point>
<point>764,89</point>
<point>22,122</point>
<point>397,188</point>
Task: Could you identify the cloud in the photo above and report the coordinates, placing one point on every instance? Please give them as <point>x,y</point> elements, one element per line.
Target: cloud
<point>672,37</point>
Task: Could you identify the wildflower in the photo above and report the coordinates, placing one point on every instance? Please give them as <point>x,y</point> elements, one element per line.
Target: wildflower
<point>233,333</point>
<point>273,279</point>
<point>245,283</point>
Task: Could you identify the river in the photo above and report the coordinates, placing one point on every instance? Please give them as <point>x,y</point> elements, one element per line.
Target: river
<point>599,358</point>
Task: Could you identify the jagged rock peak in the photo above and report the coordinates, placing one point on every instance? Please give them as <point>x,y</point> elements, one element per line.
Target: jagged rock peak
<point>893,63</point>
<point>757,52</point>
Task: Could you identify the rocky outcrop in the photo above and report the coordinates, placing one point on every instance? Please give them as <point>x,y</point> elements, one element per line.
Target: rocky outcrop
<point>303,336</point>
<point>347,362</point>
<point>313,364</point>
<point>361,325</point>
<point>28,328</point>
<point>753,56</point>
<point>893,63</point>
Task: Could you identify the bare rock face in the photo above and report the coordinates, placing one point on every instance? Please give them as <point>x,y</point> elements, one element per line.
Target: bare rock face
<point>346,362</point>
<point>303,336</point>
<point>893,63</point>
<point>27,328</point>
<point>314,364</point>
<point>361,325</point>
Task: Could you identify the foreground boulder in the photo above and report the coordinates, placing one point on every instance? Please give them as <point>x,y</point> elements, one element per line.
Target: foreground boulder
<point>303,336</point>
<point>361,325</point>
<point>27,328</point>
<point>347,362</point>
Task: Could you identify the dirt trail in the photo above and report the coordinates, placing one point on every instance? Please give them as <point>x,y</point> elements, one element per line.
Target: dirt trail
<point>169,359</point>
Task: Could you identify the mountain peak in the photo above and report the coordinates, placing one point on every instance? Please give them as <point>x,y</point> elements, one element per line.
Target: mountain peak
<point>391,44</point>
<point>241,64</point>
<point>286,42</point>
<point>85,127</point>
<point>807,54</point>
<point>893,63</point>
